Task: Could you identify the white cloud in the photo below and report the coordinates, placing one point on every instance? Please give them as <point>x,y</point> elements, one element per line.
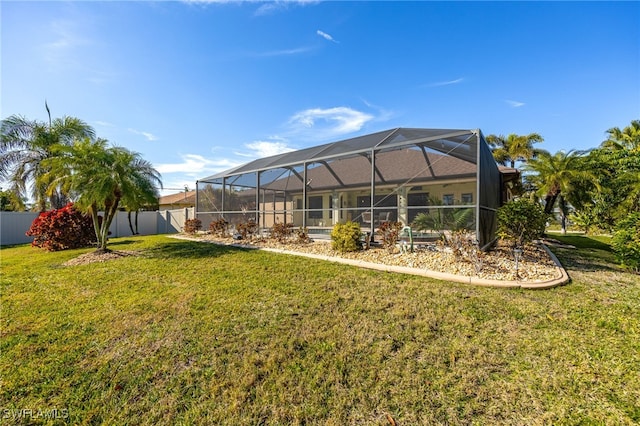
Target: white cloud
<point>317,123</point>
<point>149,136</point>
<point>259,149</point>
<point>196,165</point>
<point>326,36</point>
<point>103,123</point>
<point>515,104</point>
<point>382,113</point>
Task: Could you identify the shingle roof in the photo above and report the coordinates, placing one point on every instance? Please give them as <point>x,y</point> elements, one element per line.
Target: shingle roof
<point>392,167</point>
<point>188,197</point>
<point>454,142</point>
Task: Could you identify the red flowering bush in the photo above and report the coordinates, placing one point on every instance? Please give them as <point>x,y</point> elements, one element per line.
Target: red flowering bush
<point>61,229</point>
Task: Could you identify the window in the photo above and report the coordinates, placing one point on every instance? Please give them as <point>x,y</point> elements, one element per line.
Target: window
<point>315,207</point>
<point>416,202</point>
<point>447,200</point>
<point>467,198</point>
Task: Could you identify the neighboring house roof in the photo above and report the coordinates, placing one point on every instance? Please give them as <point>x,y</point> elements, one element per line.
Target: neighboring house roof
<point>509,173</point>
<point>182,199</point>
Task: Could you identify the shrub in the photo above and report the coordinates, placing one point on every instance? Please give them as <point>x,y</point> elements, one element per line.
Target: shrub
<point>281,231</point>
<point>247,229</point>
<point>521,221</point>
<point>389,232</point>
<point>219,227</point>
<point>302,235</point>
<point>191,226</point>
<point>626,242</point>
<point>345,237</point>
<point>61,229</point>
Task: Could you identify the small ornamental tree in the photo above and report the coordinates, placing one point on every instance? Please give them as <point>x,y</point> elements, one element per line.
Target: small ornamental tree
<point>521,221</point>
<point>61,229</point>
<point>626,242</point>
<point>345,237</point>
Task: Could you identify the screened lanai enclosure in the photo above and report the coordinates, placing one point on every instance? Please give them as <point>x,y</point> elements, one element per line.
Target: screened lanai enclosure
<point>431,180</point>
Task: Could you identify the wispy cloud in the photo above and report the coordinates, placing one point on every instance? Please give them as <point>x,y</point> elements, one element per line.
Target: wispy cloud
<point>103,123</point>
<point>258,149</point>
<point>318,123</point>
<point>445,83</point>
<point>265,8</point>
<point>382,115</point>
<point>62,51</point>
<point>284,52</point>
<point>270,7</point>
<point>514,104</point>
<point>149,136</point>
<point>326,36</point>
<point>195,165</point>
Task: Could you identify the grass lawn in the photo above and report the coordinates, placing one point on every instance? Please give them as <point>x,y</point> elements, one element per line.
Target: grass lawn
<point>194,333</point>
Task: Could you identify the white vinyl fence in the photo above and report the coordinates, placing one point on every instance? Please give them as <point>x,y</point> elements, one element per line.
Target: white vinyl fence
<point>14,225</point>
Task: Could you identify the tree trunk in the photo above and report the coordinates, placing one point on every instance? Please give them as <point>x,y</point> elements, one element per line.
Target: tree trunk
<point>563,214</point>
<point>110,212</point>
<point>93,211</point>
<point>130,224</point>
<point>549,202</point>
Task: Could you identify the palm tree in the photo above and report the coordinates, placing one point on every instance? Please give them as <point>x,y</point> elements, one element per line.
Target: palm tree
<point>507,151</point>
<point>554,177</point>
<point>24,144</point>
<point>101,178</point>
<point>627,139</point>
<point>622,150</point>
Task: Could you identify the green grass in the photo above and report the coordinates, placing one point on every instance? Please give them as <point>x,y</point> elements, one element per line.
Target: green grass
<point>194,333</point>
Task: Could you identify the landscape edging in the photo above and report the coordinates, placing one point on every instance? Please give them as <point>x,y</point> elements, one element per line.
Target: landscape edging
<point>562,279</point>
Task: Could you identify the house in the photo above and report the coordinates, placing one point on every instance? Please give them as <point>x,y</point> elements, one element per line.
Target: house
<point>394,174</point>
<point>180,200</point>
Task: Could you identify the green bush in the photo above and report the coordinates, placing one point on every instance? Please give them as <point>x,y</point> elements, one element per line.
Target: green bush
<point>345,237</point>
<point>626,242</point>
<point>521,221</point>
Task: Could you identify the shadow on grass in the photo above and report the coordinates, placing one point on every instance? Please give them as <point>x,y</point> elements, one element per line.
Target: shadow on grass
<point>589,255</point>
<point>119,242</point>
<point>190,250</point>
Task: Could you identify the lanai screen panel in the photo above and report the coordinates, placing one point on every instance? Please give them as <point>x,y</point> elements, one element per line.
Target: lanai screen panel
<point>411,170</point>
<point>209,201</point>
<point>489,193</point>
<point>278,189</point>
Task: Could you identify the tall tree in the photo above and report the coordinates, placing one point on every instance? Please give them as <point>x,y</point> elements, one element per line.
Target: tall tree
<point>507,151</point>
<point>102,178</point>
<point>627,139</point>
<point>24,144</point>
<point>622,152</point>
<point>555,177</point>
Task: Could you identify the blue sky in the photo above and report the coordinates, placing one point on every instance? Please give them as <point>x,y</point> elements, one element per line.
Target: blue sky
<point>199,87</point>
